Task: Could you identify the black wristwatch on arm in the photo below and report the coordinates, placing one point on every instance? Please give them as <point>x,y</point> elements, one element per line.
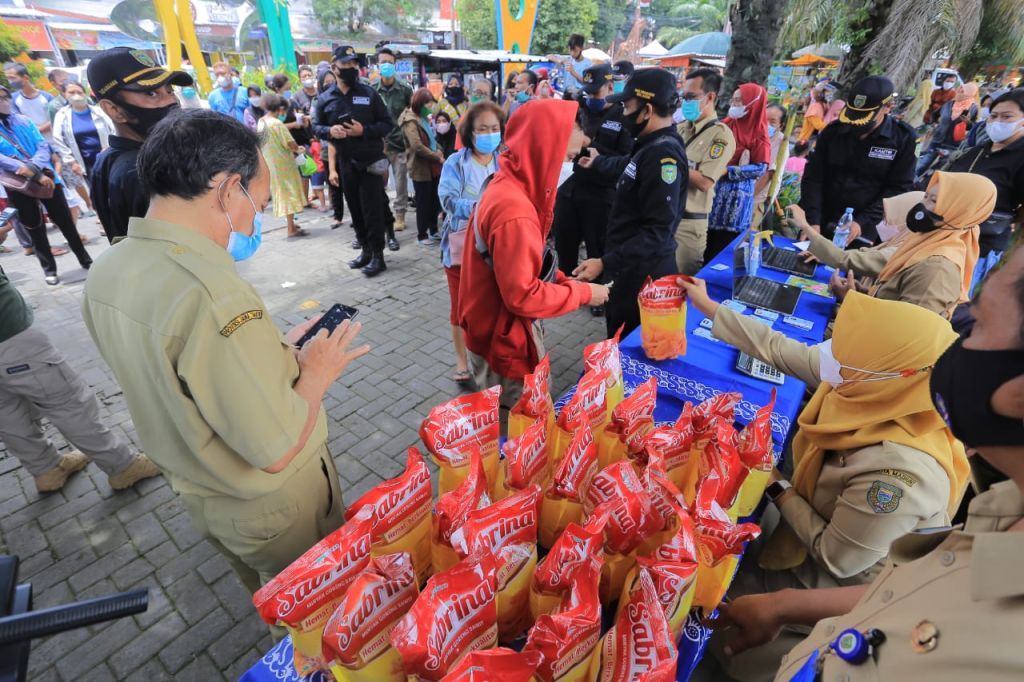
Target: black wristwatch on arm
<point>776,489</point>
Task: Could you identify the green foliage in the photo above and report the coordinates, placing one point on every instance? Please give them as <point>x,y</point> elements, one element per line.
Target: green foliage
<point>614,19</point>
<point>353,17</point>
<point>557,19</point>
<point>677,21</point>
<point>476,19</point>
<point>11,43</point>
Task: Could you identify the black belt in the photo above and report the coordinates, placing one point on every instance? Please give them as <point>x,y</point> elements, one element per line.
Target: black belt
<point>694,216</point>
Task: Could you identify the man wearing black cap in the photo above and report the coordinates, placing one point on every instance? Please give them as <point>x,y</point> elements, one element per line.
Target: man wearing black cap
<point>355,120</point>
<point>861,158</point>
<point>136,94</point>
<point>621,71</point>
<point>650,196</point>
<point>584,200</point>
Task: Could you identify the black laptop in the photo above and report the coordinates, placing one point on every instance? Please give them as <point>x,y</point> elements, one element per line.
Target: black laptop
<point>786,261</point>
<point>758,291</point>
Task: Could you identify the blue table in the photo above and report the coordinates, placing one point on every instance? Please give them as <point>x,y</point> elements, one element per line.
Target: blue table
<point>707,369</point>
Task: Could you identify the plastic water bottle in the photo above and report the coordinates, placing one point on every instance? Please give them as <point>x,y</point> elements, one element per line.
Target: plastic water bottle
<point>842,235</point>
<point>753,255</point>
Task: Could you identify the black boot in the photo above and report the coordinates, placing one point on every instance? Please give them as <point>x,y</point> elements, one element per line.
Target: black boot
<point>362,261</point>
<point>376,265</point>
<point>355,244</point>
<point>393,244</point>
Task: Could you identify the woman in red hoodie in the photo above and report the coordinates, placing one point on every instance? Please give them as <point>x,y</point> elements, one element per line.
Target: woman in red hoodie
<point>501,301</point>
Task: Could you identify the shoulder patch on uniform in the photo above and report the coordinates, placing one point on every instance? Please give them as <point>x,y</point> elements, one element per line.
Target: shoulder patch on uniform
<point>612,125</point>
<point>248,316</point>
<point>716,149</point>
<point>884,497</point>
<point>669,171</point>
<point>910,480</point>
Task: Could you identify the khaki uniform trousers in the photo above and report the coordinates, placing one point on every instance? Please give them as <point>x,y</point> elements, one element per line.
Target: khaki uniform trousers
<point>262,536</point>
<point>691,241</point>
<point>35,381</point>
<point>399,173</point>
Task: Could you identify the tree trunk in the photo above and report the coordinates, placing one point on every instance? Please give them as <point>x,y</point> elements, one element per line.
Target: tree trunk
<point>856,65</point>
<point>755,29</point>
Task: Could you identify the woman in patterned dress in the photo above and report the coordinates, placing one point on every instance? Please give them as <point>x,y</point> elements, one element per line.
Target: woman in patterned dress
<point>279,149</point>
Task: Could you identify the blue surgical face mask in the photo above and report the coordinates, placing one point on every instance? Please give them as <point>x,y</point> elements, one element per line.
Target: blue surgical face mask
<point>243,246</point>
<point>236,80</point>
<point>771,131</point>
<point>596,104</point>
<point>691,109</point>
<point>522,96</point>
<point>188,93</point>
<point>618,86</point>
<point>387,70</point>
<point>287,94</point>
<point>487,143</point>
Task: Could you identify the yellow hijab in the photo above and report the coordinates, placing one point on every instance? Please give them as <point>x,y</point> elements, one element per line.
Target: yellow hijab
<point>964,201</point>
<point>879,336</point>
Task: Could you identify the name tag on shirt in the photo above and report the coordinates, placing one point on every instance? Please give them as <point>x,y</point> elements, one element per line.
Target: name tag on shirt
<point>630,171</point>
<point>884,153</point>
<point>612,125</point>
<point>365,100</point>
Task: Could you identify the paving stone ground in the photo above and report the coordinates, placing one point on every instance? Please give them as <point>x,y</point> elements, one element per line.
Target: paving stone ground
<point>87,541</point>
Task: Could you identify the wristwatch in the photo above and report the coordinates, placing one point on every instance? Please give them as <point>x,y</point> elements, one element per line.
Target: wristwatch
<point>775,490</point>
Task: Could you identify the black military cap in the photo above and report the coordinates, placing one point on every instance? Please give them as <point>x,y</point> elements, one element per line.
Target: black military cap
<point>595,77</point>
<point>866,98</point>
<point>123,68</point>
<point>346,53</point>
<point>623,69</point>
<point>656,86</point>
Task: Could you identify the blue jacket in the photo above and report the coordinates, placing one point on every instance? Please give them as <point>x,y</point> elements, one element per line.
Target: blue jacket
<point>457,200</point>
<point>221,100</point>
<point>28,137</point>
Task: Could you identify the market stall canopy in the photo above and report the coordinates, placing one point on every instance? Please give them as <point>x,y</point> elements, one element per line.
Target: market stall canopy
<point>822,50</point>
<point>595,55</point>
<point>650,50</point>
<point>713,44</point>
<point>812,60</point>
<point>710,61</point>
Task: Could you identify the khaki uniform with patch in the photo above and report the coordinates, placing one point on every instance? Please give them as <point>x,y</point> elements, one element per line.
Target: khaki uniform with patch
<point>864,500</point>
<point>208,379</point>
<point>950,604</point>
<point>709,146</point>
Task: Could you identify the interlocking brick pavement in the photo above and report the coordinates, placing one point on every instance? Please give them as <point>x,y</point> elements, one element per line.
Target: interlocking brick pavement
<point>87,540</point>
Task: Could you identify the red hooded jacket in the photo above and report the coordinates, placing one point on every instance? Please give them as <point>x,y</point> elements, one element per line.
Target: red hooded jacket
<point>498,306</point>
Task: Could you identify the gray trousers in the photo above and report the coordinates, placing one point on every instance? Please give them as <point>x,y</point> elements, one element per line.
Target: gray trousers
<point>399,175</point>
<point>35,380</point>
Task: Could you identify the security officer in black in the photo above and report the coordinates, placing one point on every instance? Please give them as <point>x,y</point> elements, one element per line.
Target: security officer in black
<point>584,201</point>
<point>354,119</point>
<point>861,158</point>
<point>650,195</point>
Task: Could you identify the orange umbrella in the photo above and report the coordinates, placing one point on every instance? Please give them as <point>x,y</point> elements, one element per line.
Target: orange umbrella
<point>811,60</point>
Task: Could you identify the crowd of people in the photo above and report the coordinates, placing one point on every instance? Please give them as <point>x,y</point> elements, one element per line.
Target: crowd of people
<point>634,167</point>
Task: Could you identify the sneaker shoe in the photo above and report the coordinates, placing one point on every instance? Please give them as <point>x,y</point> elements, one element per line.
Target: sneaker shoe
<point>52,280</point>
<point>435,238</point>
<point>425,242</point>
<point>140,469</point>
<point>54,479</point>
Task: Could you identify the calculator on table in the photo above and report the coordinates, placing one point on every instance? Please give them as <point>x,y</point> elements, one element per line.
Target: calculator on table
<point>759,370</point>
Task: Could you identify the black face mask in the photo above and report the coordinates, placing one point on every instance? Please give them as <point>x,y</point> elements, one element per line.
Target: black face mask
<point>632,125</point>
<point>455,93</point>
<point>146,118</point>
<point>962,384</point>
<point>348,76</point>
<point>920,219</point>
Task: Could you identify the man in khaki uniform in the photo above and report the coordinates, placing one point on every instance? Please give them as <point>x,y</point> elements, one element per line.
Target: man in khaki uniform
<point>709,146</point>
<point>227,407</point>
<point>950,602</point>
<point>864,497</point>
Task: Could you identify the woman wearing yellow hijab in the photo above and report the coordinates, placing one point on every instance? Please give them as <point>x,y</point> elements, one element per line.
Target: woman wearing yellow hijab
<point>873,460</point>
<point>933,259</point>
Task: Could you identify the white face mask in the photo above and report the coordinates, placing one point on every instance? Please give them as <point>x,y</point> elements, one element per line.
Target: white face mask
<point>677,116</point>
<point>948,85</point>
<point>1000,131</point>
<point>737,111</point>
<point>565,173</point>
<point>308,83</point>
<point>223,81</point>
<point>886,231</point>
<point>983,113</point>
<point>829,369</point>
<point>442,127</point>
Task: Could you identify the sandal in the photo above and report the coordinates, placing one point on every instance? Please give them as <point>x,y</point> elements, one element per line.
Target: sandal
<point>299,232</point>
<point>462,376</point>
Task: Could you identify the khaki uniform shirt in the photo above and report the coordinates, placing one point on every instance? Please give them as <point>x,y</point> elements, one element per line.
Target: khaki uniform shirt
<point>206,374</point>
<point>934,283</point>
<point>864,499</point>
<point>708,152</point>
<point>950,603</point>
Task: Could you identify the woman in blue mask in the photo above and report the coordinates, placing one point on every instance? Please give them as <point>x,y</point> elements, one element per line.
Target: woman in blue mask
<point>462,176</point>
<point>279,149</point>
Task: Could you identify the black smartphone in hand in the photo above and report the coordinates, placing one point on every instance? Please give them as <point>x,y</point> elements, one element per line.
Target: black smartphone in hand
<point>330,321</point>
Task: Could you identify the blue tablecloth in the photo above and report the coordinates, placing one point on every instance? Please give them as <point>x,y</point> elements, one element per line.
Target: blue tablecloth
<point>707,369</point>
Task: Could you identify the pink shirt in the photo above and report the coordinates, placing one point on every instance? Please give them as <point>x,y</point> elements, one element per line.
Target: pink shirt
<point>795,164</point>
